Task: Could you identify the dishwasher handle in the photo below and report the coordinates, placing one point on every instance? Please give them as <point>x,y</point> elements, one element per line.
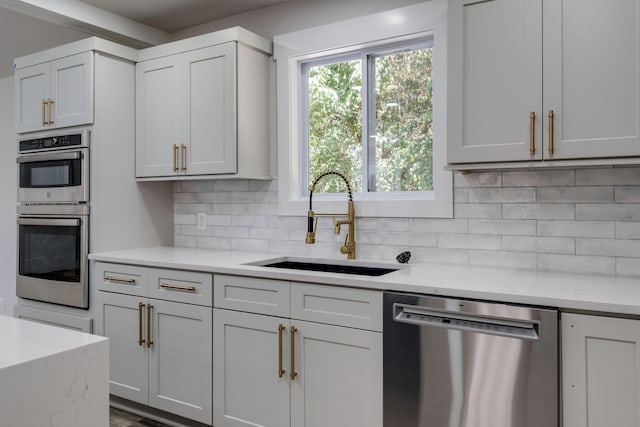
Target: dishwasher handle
<point>420,316</point>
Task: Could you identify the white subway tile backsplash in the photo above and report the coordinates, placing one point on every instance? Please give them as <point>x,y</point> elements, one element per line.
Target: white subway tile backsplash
<point>538,211</point>
<point>547,178</point>
<point>583,220</point>
<point>577,263</point>
<point>553,245</point>
<point>444,255</point>
<point>231,185</point>
<point>590,194</point>
<point>630,194</point>
<point>627,230</point>
<point>604,176</point>
<point>233,232</point>
<point>469,241</point>
<point>383,224</point>
<point>628,267</point>
<point>477,210</point>
<point>610,212</point>
<point>503,259</point>
<point>608,247</point>
<point>603,229</point>
<point>460,195</point>
<point>503,227</point>
<point>223,244</point>
<point>502,195</point>
<point>439,225</point>
<point>250,245</point>
<point>200,197</point>
<point>428,240</point>
<point>231,208</point>
<point>478,179</point>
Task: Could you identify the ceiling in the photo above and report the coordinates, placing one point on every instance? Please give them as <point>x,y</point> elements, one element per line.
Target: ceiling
<point>174,15</point>
<point>28,26</point>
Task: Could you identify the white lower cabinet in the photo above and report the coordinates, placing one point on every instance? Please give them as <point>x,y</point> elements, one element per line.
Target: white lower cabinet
<point>277,371</point>
<point>160,350</point>
<point>601,371</point>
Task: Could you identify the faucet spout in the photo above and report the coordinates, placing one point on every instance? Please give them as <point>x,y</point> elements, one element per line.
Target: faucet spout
<point>349,247</point>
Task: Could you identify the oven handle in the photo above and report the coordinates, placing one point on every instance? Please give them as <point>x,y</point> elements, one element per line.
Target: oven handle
<point>59,222</point>
<point>49,157</point>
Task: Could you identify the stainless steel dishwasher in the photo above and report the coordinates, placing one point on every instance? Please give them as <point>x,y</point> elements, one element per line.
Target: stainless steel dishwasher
<point>458,363</point>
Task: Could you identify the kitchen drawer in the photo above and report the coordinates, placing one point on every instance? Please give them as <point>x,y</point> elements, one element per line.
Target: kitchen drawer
<point>181,286</point>
<point>261,296</point>
<point>121,278</point>
<point>354,308</point>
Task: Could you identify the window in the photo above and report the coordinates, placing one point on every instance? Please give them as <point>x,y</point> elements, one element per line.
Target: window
<point>375,129</point>
<point>366,97</point>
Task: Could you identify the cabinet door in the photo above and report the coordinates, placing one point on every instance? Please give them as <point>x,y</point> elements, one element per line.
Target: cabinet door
<point>209,110</point>
<point>601,370</point>
<point>249,390</point>
<point>494,80</point>
<point>72,90</point>
<point>121,319</point>
<point>592,77</point>
<point>180,378</point>
<point>157,116</point>
<point>31,90</point>
<point>339,380</point>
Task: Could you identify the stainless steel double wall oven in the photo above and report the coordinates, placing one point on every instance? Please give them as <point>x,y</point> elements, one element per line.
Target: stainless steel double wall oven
<point>53,218</point>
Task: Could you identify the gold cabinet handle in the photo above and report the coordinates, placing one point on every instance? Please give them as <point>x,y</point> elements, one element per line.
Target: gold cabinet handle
<point>532,133</point>
<point>293,374</point>
<point>175,158</point>
<point>149,338</point>
<point>281,371</point>
<point>183,158</point>
<point>171,287</point>
<point>551,148</point>
<point>119,280</point>
<point>140,339</point>
<point>44,120</point>
<point>50,102</point>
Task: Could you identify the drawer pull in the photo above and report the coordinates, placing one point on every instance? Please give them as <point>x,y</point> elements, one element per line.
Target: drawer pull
<point>140,339</point>
<point>119,280</point>
<point>281,329</point>
<point>171,287</point>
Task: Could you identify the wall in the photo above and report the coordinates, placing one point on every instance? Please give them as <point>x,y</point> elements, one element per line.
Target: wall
<point>8,185</point>
<point>577,220</point>
<point>295,15</point>
<point>583,220</point>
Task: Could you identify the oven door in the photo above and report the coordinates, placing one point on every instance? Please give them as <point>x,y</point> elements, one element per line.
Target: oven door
<point>52,259</point>
<point>54,177</point>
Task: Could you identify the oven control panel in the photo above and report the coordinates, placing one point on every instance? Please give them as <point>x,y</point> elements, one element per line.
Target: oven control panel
<point>51,142</point>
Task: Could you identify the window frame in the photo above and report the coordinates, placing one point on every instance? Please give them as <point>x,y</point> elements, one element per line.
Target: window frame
<point>375,32</point>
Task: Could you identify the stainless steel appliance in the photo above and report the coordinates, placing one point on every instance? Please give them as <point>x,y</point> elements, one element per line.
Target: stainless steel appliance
<point>459,363</point>
<point>54,168</point>
<point>53,218</point>
<point>52,258</point>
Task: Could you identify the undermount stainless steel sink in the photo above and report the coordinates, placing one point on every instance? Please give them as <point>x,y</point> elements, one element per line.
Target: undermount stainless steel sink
<point>327,266</point>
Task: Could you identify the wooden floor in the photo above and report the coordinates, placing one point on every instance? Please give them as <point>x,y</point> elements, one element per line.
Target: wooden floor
<point>118,418</point>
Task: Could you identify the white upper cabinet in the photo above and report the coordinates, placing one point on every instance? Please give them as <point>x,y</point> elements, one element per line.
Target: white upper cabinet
<point>203,108</point>
<point>534,80</point>
<point>55,94</point>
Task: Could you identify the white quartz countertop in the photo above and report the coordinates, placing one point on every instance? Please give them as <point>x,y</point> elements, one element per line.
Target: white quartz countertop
<point>24,341</point>
<point>562,290</point>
